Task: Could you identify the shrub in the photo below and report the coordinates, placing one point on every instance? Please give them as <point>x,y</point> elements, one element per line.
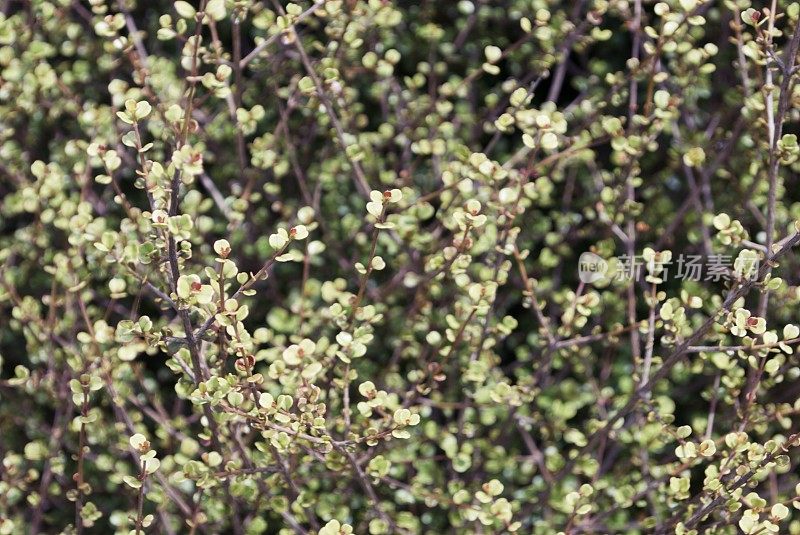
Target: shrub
<point>361,266</point>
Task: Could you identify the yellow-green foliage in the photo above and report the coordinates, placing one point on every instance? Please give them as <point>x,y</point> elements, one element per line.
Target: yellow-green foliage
<point>313,267</point>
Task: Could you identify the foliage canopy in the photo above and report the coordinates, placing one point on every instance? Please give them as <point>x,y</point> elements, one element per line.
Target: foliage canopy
<point>317,267</point>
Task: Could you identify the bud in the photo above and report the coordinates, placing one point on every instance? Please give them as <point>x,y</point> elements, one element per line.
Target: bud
<point>222,248</point>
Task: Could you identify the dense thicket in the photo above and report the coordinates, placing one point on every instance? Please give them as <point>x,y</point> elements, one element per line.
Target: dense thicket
<point>363,266</point>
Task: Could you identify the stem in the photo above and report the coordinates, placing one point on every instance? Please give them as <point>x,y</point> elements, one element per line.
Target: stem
<point>362,287</point>
<point>140,498</point>
<point>79,477</point>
